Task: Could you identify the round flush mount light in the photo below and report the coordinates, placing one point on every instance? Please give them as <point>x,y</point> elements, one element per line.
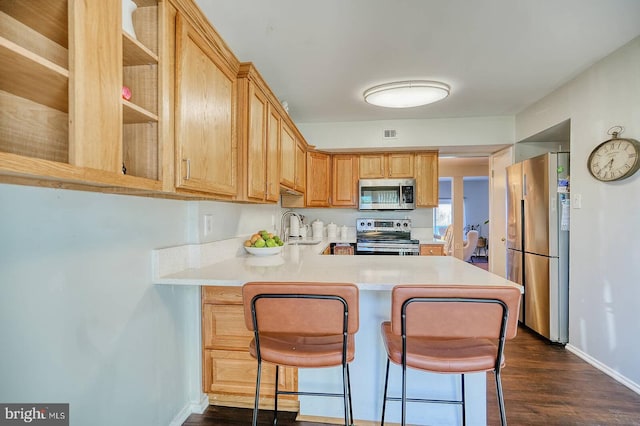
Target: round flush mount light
<point>406,94</point>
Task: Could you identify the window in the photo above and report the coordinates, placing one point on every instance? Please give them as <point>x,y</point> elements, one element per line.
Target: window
<point>442,216</point>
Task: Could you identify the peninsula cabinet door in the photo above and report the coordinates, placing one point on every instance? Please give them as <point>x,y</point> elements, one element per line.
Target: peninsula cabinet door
<point>228,371</point>
<point>206,145</point>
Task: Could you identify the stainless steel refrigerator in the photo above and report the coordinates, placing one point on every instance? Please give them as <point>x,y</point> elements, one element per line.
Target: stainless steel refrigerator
<point>538,241</point>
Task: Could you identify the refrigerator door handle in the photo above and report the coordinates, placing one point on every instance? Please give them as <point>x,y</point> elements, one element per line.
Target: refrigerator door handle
<point>524,184</point>
<point>554,204</point>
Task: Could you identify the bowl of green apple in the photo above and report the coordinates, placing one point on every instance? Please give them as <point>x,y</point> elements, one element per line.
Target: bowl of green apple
<point>263,243</point>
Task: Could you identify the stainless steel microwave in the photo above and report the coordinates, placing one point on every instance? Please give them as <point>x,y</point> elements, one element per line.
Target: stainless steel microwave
<point>386,194</point>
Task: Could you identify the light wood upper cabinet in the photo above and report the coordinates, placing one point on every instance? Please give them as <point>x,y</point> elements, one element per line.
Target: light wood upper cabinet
<point>426,174</point>
<point>344,182</point>
<point>400,165</point>
<point>372,166</point>
<point>63,118</point>
<point>386,165</point>
<point>301,166</point>
<point>141,138</point>
<point>259,136</point>
<point>318,179</point>
<point>273,154</point>
<point>287,156</point>
<point>206,146</point>
<point>257,143</point>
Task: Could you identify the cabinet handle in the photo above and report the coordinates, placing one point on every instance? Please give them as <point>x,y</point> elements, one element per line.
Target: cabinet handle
<point>188,168</point>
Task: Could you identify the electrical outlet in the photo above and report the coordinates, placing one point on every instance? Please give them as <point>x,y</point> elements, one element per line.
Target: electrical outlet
<point>208,224</point>
<point>577,201</point>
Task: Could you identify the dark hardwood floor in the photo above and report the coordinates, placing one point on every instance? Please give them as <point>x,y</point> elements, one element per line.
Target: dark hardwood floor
<point>543,384</point>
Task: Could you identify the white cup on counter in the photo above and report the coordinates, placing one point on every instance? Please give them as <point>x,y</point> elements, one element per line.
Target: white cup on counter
<point>344,232</point>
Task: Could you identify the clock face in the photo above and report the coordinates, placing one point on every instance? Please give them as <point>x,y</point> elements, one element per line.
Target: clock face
<point>614,159</point>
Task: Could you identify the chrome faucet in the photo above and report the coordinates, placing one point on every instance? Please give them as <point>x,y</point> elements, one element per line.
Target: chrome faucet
<point>285,215</point>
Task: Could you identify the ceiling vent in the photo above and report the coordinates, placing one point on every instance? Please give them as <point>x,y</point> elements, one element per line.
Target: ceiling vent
<point>390,134</point>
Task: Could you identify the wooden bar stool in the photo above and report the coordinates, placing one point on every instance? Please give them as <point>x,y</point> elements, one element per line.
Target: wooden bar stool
<point>449,329</point>
<point>305,325</point>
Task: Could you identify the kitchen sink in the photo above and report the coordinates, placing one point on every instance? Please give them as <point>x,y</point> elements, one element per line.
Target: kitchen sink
<point>304,242</point>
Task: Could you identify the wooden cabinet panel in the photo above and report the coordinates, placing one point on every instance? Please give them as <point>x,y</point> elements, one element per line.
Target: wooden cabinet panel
<point>287,156</point>
<point>233,373</point>
<point>390,165</point>
<point>344,182</point>
<point>259,136</point>
<point>273,155</point>
<point>301,167</point>
<point>372,166</point>
<point>228,371</point>
<point>431,250</point>
<point>318,179</point>
<point>256,140</point>
<point>426,173</point>
<point>222,295</point>
<point>205,116</point>
<point>225,327</point>
<point>400,165</point>
<point>95,88</point>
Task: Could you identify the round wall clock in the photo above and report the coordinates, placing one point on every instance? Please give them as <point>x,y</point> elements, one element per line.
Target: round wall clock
<point>614,159</point>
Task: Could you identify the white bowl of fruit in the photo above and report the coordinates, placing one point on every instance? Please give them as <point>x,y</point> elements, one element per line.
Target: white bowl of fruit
<point>263,243</point>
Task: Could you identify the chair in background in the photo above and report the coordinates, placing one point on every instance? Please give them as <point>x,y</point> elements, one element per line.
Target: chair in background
<point>304,325</point>
<point>452,330</point>
<point>469,246</point>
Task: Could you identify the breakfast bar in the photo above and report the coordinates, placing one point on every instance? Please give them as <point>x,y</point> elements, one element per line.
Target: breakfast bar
<point>225,263</point>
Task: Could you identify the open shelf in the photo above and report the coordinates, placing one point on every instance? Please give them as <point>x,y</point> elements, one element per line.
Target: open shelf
<point>47,17</point>
<point>30,76</point>
<point>140,138</point>
<point>135,53</point>
<point>132,113</point>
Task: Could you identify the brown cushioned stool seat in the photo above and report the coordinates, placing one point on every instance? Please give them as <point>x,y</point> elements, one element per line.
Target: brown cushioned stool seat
<point>450,330</point>
<point>305,325</point>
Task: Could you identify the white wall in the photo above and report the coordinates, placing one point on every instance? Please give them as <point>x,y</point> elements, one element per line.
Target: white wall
<point>81,322</point>
<point>410,133</point>
<point>605,251</point>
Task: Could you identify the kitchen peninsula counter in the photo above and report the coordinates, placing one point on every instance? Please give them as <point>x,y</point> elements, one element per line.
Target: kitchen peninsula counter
<point>225,263</point>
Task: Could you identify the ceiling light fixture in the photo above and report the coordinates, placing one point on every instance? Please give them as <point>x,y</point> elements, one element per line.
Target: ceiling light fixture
<point>406,94</point>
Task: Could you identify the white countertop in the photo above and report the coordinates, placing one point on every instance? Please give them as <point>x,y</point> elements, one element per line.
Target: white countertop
<point>227,264</point>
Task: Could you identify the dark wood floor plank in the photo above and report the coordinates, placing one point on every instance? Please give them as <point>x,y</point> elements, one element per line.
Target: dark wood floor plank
<point>543,384</point>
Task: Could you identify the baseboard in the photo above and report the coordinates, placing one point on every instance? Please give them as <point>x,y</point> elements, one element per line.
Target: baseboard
<point>606,370</point>
<point>190,408</point>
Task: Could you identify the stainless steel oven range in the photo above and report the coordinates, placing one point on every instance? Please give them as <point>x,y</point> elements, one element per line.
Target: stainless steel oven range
<point>385,236</point>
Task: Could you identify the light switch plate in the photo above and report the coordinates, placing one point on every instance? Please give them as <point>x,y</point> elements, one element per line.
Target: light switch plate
<point>577,201</point>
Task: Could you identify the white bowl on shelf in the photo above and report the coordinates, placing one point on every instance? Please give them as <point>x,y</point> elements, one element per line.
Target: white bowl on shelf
<point>263,251</point>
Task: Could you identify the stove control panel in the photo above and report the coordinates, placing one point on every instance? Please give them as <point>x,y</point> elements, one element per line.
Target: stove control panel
<point>383,225</point>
